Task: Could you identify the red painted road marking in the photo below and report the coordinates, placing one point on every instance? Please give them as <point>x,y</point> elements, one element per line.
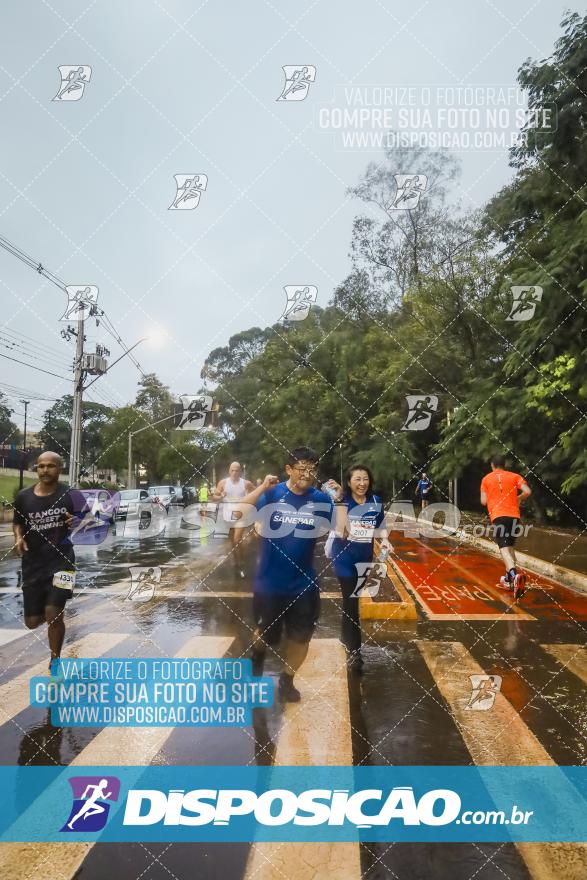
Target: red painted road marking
<point>451,581</point>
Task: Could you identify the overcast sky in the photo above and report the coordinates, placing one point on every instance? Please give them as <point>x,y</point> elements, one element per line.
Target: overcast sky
<point>192,87</point>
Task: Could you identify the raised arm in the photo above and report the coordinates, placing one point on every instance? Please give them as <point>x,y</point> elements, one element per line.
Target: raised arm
<point>217,494</point>
<point>253,496</point>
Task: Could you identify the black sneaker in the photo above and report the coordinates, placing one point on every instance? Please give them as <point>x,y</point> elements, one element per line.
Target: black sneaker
<point>258,658</point>
<point>288,693</point>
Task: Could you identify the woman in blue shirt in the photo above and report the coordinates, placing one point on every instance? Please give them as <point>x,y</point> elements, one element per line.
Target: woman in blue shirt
<point>359,521</point>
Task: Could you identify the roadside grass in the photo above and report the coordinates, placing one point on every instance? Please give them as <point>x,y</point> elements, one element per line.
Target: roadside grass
<point>8,485</point>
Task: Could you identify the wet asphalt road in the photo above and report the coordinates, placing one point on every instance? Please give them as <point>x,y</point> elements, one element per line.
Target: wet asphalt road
<point>400,710</point>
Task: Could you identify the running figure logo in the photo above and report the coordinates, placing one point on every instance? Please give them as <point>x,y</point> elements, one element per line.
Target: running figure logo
<point>189,188</point>
<point>143,583</point>
<point>299,301</point>
<point>369,577</point>
<point>92,523</point>
<point>81,299</point>
<point>193,412</point>
<point>90,808</point>
<point>73,82</point>
<point>525,300</point>
<point>483,691</point>
<point>409,189</point>
<point>421,409</point>
<point>297,82</point>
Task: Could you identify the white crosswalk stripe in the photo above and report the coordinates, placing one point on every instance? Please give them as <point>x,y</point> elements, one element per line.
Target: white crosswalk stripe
<point>315,731</point>
<point>10,635</point>
<point>14,694</point>
<point>500,737</point>
<point>573,657</point>
<point>128,746</point>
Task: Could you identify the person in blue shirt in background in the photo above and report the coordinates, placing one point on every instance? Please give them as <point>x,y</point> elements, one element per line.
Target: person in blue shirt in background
<point>424,488</point>
<point>291,516</point>
<point>359,521</point>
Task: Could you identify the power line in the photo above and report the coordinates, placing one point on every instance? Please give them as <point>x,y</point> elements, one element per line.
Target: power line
<point>17,390</point>
<point>15,412</point>
<point>31,263</point>
<point>32,366</point>
<point>109,326</point>
<point>38,267</point>
<point>12,395</point>
<point>12,345</point>
<point>23,339</point>
<point>104,399</point>
<point>79,367</point>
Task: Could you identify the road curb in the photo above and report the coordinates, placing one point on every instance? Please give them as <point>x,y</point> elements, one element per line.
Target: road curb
<point>405,609</point>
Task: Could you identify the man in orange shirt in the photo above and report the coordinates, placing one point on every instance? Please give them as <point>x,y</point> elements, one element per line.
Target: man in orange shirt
<point>499,493</point>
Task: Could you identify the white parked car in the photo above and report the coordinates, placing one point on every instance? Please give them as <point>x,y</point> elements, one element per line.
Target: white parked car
<point>135,504</point>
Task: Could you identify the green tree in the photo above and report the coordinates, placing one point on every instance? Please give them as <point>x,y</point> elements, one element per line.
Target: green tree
<point>533,402</point>
<point>55,433</point>
<point>9,432</point>
<point>166,454</point>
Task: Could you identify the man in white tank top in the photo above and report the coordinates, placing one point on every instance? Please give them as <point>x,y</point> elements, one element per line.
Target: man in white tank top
<point>233,488</point>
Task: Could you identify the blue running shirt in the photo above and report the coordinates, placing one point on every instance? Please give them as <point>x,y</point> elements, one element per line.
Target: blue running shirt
<point>363,519</point>
<point>285,560</point>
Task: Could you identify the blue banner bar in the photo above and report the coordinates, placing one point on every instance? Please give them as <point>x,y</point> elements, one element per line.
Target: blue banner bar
<point>216,804</point>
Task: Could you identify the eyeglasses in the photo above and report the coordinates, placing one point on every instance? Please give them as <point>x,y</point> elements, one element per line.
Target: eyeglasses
<point>305,469</point>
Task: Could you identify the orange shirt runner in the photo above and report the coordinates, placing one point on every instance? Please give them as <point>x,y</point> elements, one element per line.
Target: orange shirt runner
<point>501,488</point>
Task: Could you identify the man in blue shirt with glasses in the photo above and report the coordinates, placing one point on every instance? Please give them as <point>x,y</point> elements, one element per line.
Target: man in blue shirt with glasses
<point>290,517</point>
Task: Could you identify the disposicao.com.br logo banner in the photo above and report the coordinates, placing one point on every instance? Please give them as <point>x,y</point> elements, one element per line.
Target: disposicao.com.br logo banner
<point>219,804</point>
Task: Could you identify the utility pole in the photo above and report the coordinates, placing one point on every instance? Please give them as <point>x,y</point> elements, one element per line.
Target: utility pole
<point>95,365</point>
<point>84,364</point>
<point>76,421</point>
<point>21,477</point>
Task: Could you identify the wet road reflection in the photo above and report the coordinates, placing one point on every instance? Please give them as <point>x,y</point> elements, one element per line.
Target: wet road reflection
<point>398,710</point>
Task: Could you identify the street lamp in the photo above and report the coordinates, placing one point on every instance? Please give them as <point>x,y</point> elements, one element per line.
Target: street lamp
<point>453,491</point>
<point>131,434</point>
